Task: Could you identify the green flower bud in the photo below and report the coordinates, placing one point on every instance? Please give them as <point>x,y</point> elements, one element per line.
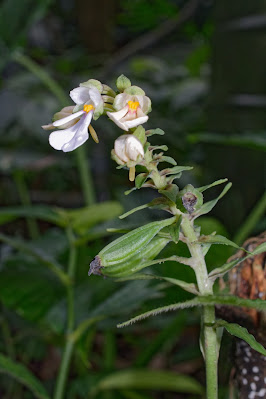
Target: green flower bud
<point>137,262</point>
<point>128,245</point>
<point>189,199</point>
<point>122,83</point>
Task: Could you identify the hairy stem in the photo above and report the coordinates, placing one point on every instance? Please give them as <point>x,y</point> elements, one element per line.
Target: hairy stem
<point>208,314</point>
<point>82,164</point>
<point>69,345</point>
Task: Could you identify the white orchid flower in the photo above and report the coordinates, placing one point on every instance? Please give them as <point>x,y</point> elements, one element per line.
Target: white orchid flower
<point>131,110</point>
<point>77,123</point>
<point>128,148</point>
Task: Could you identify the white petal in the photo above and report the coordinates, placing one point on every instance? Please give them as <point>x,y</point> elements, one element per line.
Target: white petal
<point>67,119</point>
<point>140,99</point>
<point>134,148</point>
<point>121,100</point>
<point>136,122</point>
<point>81,133</point>
<point>59,138</point>
<point>146,105</point>
<point>120,148</point>
<point>95,97</point>
<point>80,95</point>
<point>118,115</point>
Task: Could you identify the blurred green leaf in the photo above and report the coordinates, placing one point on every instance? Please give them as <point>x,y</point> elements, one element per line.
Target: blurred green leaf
<point>49,214</point>
<point>150,379</point>
<point>242,333</point>
<point>84,218</point>
<point>17,16</point>
<point>255,141</point>
<point>23,375</point>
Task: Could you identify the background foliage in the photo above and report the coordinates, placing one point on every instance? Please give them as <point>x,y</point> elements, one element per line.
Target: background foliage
<point>178,51</point>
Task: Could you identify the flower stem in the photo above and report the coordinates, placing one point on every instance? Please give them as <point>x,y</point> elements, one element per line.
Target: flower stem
<point>85,176</point>
<point>69,345</point>
<point>24,195</point>
<point>82,163</point>
<point>208,316</point>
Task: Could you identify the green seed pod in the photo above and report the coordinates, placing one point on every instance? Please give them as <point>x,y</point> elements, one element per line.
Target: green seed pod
<point>128,245</point>
<point>139,261</point>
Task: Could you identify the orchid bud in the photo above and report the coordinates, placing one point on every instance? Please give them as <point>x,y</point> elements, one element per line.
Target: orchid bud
<point>128,148</point>
<point>189,199</point>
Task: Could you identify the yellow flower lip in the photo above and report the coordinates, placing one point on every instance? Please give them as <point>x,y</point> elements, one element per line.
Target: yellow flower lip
<point>133,105</point>
<point>88,107</point>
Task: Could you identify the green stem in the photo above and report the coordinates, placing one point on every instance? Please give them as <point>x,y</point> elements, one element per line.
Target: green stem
<point>69,345</point>
<point>251,221</point>
<point>26,201</point>
<point>85,176</point>
<point>210,350</point>
<point>82,163</point>
<point>208,314</point>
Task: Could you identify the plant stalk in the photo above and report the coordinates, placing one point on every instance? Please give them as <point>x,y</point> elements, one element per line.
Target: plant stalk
<point>210,347</point>
<point>69,344</point>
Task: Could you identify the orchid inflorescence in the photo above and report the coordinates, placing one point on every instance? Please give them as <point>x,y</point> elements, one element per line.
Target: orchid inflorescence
<point>127,108</point>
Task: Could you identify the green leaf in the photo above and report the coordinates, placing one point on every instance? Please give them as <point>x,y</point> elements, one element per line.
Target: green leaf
<point>217,239</point>
<point>170,192</point>
<point>176,170</point>
<point>150,379</point>
<point>40,256</point>
<point>151,132</point>
<point>216,183</point>
<point>20,373</point>
<point>83,219</point>
<point>154,312</point>
<point>220,271</point>
<point>242,333</point>
<point>51,215</point>
<point>138,208</point>
<point>200,301</point>
<point>208,206</point>
<point>167,159</point>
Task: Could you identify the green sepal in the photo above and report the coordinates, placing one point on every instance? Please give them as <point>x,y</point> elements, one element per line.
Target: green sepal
<point>140,179</point>
<point>123,248</point>
<point>140,134</point>
<point>170,192</point>
<point>174,230</point>
<point>159,147</point>
<point>122,83</point>
<point>93,83</point>
<point>151,132</point>
<point>134,91</point>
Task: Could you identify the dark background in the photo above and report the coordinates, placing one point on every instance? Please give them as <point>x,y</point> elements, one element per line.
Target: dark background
<point>202,63</point>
